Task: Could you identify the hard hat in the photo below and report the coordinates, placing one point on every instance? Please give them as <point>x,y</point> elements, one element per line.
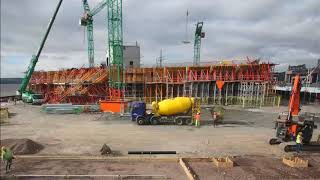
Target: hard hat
<point>300,133</point>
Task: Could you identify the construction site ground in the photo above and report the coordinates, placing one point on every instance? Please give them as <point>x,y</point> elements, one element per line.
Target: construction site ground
<point>244,134</point>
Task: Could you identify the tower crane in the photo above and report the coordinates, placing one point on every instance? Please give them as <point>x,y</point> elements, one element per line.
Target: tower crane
<point>115,41</point>
<point>115,44</point>
<point>87,21</point>
<point>197,43</point>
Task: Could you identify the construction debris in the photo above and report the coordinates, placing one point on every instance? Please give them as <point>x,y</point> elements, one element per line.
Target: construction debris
<point>4,115</point>
<point>22,146</point>
<point>105,150</point>
<point>295,162</point>
<point>223,162</point>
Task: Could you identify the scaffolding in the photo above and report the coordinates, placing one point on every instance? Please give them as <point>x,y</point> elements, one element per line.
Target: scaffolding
<point>248,85</point>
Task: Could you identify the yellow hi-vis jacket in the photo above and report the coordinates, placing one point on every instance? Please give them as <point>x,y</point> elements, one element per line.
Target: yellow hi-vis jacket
<point>299,139</point>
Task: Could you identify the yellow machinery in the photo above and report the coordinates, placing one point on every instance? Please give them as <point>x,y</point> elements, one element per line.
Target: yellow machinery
<point>178,111</point>
<point>174,106</point>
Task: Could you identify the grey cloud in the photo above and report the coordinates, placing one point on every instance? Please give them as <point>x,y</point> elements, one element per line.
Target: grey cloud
<point>280,31</point>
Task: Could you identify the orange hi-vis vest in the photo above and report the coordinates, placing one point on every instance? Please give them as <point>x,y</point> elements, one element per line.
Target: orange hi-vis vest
<point>197,117</point>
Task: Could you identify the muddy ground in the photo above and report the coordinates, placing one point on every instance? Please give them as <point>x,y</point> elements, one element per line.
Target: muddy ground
<point>243,133</point>
<point>246,167</point>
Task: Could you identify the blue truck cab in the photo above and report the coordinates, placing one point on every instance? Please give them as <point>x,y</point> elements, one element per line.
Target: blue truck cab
<point>138,110</point>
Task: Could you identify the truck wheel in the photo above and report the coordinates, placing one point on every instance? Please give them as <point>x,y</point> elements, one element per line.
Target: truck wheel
<point>154,121</point>
<point>140,121</point>
<point>179,121</point>
<point>189,122</point>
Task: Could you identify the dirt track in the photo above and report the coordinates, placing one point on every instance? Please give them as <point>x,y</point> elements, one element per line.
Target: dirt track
<point>246,167</point>
<point>243,133</point>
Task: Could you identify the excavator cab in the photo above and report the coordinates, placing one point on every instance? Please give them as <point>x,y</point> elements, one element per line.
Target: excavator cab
<point>287,131</point>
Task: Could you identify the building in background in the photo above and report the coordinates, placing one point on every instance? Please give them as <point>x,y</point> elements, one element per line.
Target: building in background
<point>309,75</point>
<point>131,56</point>
<point>279,76</point>
<point>310,90</point>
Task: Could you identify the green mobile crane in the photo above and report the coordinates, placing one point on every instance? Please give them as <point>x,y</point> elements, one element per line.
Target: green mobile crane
<point>87,21</point>
<point>29,96</point>
<point>197,43</point>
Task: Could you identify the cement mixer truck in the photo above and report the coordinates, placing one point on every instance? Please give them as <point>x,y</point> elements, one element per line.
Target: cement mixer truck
<point>177,110</point>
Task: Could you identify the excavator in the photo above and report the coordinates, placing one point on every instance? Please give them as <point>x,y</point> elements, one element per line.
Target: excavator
<point>288,125</point>
<point>27,95</point>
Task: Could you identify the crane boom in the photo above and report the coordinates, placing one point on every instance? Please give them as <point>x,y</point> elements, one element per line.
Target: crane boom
<point>86,6</point>
<point>34,59</point>
<point>98,8</point>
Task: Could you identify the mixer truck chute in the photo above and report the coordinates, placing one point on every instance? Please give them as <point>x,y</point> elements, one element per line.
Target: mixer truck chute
<point>177,111</point>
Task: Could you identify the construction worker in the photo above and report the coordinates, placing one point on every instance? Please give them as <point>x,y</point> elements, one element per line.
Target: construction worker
<point>7,156</point>
<point>214,117</point>
<point>197,118</point>
<point>2,153</point>
<point>299,142</point>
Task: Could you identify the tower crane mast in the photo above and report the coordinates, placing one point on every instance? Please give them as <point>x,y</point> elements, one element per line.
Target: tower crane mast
<point>197,43</point>
<point>115,44</point>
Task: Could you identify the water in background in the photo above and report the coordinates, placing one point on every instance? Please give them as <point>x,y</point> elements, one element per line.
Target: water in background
<point>8,89</point>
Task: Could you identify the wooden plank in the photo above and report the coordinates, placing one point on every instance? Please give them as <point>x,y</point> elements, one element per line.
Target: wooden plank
<point>295,162</point>
<point>104,176</point>
<point>188,170</point>
<point>223,162</point>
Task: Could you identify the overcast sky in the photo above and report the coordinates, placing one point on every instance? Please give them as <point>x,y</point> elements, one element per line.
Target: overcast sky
<point>283,32</point>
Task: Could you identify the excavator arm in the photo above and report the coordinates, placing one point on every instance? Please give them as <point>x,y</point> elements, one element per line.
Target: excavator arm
<point>294,103</point>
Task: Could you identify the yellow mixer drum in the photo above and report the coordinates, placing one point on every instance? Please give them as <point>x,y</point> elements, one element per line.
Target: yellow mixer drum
<point>174,106</point>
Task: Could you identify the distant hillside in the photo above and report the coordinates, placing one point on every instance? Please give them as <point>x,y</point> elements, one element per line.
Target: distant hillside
<point>10,80</point>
